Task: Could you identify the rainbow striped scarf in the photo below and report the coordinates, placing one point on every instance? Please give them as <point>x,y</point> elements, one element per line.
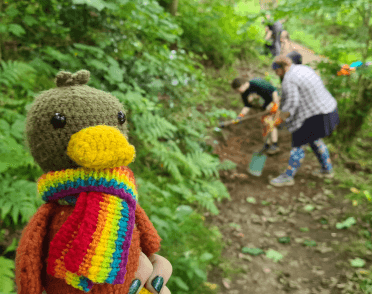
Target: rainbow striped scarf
<point>92,246</point>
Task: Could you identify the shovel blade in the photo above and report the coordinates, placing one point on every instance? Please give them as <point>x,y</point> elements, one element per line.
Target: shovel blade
<point>257,164</point>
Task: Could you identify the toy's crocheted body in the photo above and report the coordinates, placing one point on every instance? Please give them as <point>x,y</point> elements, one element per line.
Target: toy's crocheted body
<point>90,233</point>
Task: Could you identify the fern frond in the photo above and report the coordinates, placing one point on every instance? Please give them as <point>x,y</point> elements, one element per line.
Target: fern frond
<point>168,159</point>
<point>216,188</point>
<point>205,200</point>
<point>6,275</point>
<point>227,165</point>
<point>12,73</point>
<point>206,163</point>
<point>151,127</point>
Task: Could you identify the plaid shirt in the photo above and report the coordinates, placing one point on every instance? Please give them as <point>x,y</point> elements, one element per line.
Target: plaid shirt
<point>304,95</point>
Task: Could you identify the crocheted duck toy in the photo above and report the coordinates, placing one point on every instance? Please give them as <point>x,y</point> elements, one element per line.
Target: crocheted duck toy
<point>89,234</point>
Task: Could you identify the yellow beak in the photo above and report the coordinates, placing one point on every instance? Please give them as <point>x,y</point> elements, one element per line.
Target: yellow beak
<point>100,147</point>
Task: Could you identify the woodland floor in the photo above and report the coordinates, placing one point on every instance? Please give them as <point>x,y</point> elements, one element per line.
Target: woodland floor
<point>305,212</point>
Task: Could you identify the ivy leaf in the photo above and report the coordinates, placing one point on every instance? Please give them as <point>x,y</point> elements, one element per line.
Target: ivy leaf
<point>357,262</point>
<point>274,255</point>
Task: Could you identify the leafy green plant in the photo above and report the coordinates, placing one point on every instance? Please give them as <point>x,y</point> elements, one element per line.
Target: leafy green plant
<point>284,240</point>
<point>274,255</point>
<point>252,251</point>
<point>310,243</point>
<point>357,262</point>
<point>6,275</point>
<point>346,223</point>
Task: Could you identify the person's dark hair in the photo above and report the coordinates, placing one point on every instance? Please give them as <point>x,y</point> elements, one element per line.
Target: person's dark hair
<point>236,83</point>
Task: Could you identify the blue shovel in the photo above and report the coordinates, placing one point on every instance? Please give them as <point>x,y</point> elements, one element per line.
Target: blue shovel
<point>258,161</point>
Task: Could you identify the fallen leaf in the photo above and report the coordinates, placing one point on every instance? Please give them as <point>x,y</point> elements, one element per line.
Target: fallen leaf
<point>355,203</point>
<point>354,190</point>
<point>267,270</point>
<point>210,286</point>
<point>368,196</point>
<point>226,283</point>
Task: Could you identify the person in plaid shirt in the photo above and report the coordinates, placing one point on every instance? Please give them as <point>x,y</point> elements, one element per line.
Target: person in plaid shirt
<point>310,113</point>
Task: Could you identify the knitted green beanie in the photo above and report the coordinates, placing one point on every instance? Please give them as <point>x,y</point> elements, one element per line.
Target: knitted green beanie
<point>59,113</point>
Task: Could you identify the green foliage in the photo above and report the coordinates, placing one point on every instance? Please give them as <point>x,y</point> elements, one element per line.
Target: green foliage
<point>357,262</point>
<point>310,243</point>
<point>6,275</point>
<point>346,224</point>
<point>218,30</point>
<point>274,255</point>
<point>227,165</point>
<point>126,47</point>
<point>284,240</point>
<point>18,202</point>
<point>252,251</point>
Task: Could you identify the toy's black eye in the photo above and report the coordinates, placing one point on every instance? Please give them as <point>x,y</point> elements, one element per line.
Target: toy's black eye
<point>121,117</point>
<point>58,121</point>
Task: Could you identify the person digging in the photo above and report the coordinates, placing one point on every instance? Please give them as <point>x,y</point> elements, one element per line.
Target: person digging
<point>271,103</point>
<point>310,113</point>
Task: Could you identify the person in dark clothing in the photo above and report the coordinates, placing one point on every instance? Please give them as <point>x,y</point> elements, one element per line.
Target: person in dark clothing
<point>273,31</point>
<point>270,96</point>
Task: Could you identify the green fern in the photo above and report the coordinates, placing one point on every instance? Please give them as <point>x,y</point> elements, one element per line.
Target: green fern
<point>170,160</point>
<point>205,162</point>
<point>151,127</point>
<point>183,190</point>
<point>18,200</point>
<point>227,165</point>
<point>6,275</point>
<point>205,200</point>
<point>12,73</point>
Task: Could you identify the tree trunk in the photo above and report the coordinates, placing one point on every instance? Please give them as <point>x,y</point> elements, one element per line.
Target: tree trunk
<point>173,7</point>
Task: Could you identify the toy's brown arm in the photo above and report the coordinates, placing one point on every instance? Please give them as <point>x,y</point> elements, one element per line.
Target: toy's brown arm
<point>150,240</point>
<point>29,256</point>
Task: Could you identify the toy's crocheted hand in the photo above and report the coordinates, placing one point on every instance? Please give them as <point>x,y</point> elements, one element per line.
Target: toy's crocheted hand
<point>150,240</point>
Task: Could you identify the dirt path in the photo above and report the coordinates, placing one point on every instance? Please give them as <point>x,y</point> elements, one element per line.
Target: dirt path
<point>297,224</point>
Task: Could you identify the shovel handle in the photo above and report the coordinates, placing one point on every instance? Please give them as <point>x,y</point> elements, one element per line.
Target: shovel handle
<point>225,124</point>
